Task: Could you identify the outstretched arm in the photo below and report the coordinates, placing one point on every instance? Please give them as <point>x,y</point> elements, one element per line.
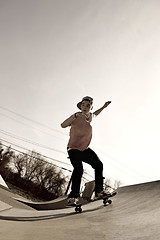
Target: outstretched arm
<point>100,109</point>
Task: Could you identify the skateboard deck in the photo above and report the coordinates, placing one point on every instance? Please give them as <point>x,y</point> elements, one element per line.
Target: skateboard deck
<point>82,201</point>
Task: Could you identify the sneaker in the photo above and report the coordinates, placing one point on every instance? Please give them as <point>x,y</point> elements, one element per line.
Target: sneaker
<point>104,194</point>
<point>72,201</point>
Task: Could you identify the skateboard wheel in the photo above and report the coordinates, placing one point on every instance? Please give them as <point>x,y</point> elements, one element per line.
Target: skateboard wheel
<point>109,201</point>
<point>78,209</point>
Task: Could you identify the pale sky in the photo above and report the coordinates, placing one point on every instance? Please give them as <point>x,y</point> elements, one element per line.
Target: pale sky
<point>53,53</point>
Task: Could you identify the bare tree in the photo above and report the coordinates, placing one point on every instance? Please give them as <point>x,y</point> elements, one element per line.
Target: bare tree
<point>117,184</point>
<point>114,184</point>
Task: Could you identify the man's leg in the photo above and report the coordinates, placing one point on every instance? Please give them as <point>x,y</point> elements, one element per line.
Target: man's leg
<point>76,161</point>
<point>91,158</point>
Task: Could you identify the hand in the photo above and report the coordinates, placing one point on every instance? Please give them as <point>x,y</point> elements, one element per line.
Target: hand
<point>106,104</point>
<point>78,114</point>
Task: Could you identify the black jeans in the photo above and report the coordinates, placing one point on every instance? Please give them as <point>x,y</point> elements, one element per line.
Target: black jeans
<point>90,157</point>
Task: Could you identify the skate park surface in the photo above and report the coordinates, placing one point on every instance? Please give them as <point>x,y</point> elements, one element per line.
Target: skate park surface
<point>133,215</point>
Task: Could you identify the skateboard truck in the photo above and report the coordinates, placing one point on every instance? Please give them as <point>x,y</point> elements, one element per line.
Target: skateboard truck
<point>78,208</point>
<point>106,200</point>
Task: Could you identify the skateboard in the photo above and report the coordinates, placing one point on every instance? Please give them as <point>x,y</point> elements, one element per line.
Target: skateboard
<point>106,201</point>
<point>87,196</point>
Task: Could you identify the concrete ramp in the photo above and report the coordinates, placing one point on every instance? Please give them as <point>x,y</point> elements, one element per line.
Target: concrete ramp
<point>140,198</point>
<point>7,200</point>
<point>2,182</point>
<point>58,203</point>
<point>133,215</point>
<point>4,206</point>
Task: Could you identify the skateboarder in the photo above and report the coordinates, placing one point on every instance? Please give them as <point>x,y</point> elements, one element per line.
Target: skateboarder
<point>78,150</point>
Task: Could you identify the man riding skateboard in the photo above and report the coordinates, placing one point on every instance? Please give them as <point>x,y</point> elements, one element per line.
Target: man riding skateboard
<point>78,148</point>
